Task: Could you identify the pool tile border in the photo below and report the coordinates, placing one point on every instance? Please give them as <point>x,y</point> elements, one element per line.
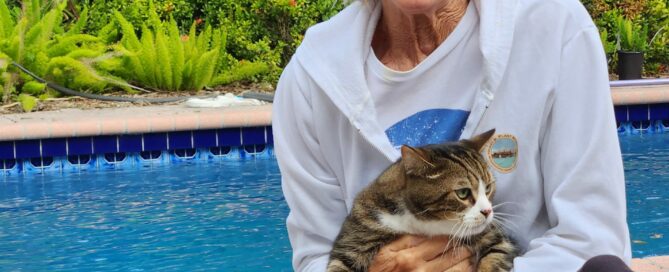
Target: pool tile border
<point>114,151</point>
<point>643,118</point>
<point>89,145</point>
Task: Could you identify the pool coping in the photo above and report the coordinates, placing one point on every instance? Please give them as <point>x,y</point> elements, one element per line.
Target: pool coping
<point>637,95</point>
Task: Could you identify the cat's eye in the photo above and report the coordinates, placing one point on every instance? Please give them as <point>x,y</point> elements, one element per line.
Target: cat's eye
<point>463,193</point>
<point>488,187</point>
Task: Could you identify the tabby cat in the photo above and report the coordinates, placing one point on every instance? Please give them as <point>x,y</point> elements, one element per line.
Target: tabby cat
<point>442,189</point>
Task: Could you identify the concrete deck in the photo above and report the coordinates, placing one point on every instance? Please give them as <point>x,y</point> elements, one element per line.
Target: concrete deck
<point>651,264</point>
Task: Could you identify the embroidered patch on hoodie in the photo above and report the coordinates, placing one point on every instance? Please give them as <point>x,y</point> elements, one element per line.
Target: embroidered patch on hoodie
<point>503,152</point>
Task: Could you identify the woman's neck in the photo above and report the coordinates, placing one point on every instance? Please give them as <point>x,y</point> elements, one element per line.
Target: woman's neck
<point>403,39</point>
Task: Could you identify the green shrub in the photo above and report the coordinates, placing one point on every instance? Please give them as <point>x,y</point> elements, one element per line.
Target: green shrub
<point>656,16</point>
<point>136,12</point>
<point>631,37</point>
<point>266,31</point>
<point>42,42</point>
<point>162,58</point>
<point>652,15</point>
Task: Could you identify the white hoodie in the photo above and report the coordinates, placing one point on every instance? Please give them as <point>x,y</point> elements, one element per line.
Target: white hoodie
<point>545,90</point>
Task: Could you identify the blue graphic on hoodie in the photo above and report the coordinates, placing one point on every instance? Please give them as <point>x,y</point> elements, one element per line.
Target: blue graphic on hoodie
<point>428,127</point>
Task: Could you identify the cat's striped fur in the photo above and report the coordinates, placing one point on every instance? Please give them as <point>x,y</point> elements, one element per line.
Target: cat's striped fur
<point>421,194</point>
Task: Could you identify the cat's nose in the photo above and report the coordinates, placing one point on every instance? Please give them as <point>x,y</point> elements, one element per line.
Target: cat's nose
<point>486,212</point>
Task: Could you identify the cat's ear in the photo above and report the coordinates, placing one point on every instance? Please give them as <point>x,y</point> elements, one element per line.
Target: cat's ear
<point>414,158</point>
<point>479,141</point>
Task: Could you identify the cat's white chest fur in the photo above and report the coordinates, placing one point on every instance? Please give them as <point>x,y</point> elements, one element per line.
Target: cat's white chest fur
<point>408,223</point>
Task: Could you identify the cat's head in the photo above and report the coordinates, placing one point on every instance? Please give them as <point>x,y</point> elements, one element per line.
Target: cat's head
<point>450,186</point>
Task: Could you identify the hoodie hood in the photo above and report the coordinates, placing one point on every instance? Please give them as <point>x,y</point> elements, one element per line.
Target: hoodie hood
<point>338,67</point>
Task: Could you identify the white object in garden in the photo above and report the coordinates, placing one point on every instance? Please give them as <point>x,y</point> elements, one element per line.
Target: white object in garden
<point>227,100</point>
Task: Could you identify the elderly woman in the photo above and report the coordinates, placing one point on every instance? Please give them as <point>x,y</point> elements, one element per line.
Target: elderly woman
<point>384,73</point>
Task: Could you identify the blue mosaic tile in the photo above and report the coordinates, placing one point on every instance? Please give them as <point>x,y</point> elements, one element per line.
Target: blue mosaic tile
<point>79,159</point>
<point>7,164</point>
<point>155,141</point>
<point>42,162</point>
<point>270,136</point>
<point>180,140</point>
<point>204,138</point>
<point>150,155</point>
<point>185,153</point>
<point>54,147</point>
<point>27,149</point>
<point>229,137</point>
<point>659,111</point>
<point>253,135</point>
<point>253,149</point>
<point>115,157</point>
<point>621,113</point>
<point>638,112</point>
<point>105,144</point>
<point>6,150</point>
<point>130,143</point>
<point>80,146</point>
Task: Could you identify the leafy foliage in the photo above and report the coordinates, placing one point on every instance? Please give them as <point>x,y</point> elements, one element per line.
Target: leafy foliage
<point>162,58</point>
<point>42,43</point>
<point>28,102</point>
<point>649,16</point>
<point>632,37</point>
<point>266,31</point>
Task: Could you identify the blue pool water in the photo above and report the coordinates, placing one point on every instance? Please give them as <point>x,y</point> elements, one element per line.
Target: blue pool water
<point>226,216</point>
<point>646,159</point>
<point>202,217</point>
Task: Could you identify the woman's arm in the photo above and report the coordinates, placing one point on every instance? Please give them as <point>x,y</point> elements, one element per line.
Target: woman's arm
<point>313,194</point>
<point>584,187</point>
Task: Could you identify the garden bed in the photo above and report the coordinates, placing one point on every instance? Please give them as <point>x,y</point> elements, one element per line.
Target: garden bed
<point>53,104</point>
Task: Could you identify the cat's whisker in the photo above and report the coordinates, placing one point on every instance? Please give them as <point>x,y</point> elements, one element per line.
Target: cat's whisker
<point>502,217</point>
<point>453,237</point>
<point>506,224</point>
<point>458,234</point>
<point>464,234</point>
<point>508,214</point>
<point>504,203</point>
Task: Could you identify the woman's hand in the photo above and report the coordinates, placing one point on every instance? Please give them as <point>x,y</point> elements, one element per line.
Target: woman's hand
<point>415,253</point>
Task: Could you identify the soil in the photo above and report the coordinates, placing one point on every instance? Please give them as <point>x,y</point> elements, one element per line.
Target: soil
<point>85,103</point>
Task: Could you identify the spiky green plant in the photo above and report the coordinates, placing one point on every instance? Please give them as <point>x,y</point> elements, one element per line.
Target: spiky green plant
<point>162,58</point>
<point>44,45</point>
<point>631,37</point>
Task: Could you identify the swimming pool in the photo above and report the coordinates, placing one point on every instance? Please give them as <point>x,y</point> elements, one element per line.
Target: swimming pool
<point>226,216</point>
<point>199,217</point>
